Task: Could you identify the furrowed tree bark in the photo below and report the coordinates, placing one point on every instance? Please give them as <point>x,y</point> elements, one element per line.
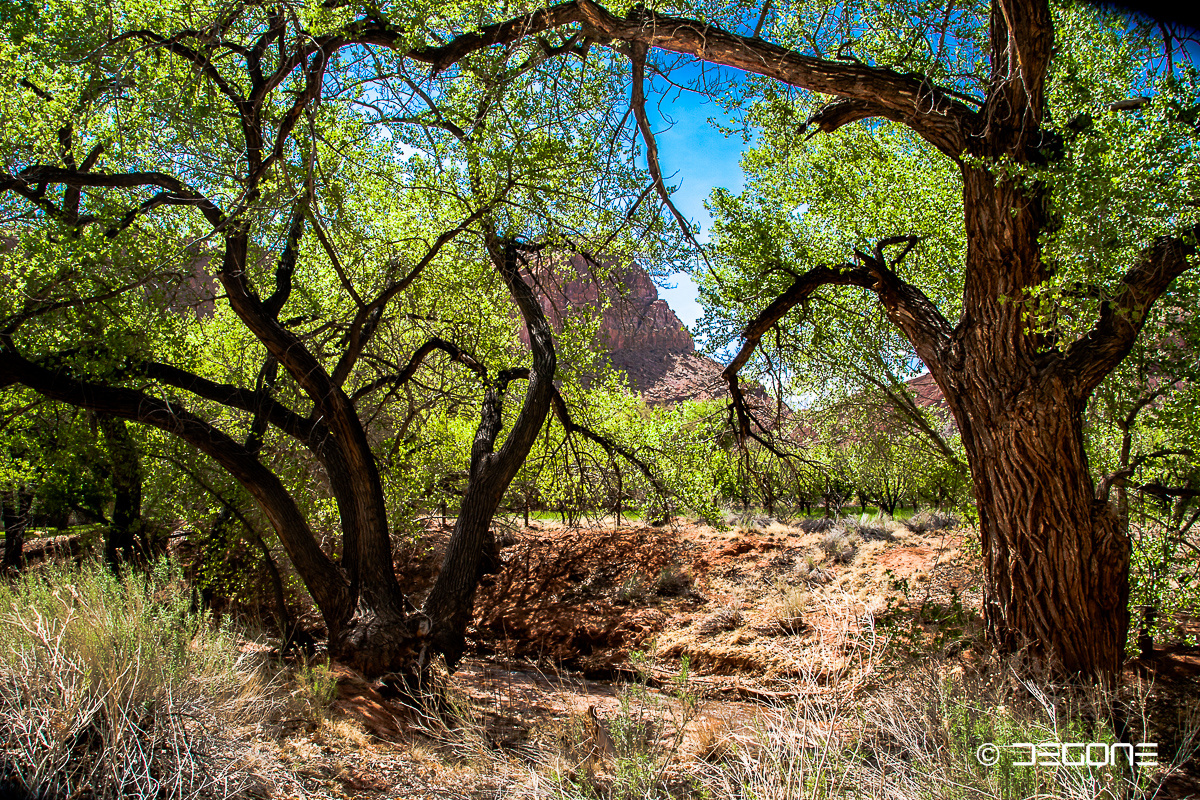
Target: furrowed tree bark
<point>1056,560</point>
<point>1056,556</point>
<point>379,636</point>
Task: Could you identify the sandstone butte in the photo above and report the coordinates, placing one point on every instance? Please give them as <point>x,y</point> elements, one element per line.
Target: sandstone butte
<point>637,331</point>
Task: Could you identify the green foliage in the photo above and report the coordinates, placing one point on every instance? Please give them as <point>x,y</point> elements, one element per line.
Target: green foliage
<point>318,687</point>
<point>679,445</point>
<point>810,203</point>
<point>1142,435</point>
<point>920,626</point>
<point>399,179</point>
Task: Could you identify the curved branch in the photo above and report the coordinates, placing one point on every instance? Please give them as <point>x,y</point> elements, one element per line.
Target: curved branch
<point>638,104</point>
<point>359,329</point>
<point>202,62</point>
<point>541,377</point>
<point>320,575</point>
<point>1120,476</point>
<point>929,110</point>
<point>177,189</point>
<point>907,307</point>
<point>610,447</point>
<point>832,116</point>
<point>298,427</point>
<point>455,352</point>
<point>1122,318</point>
<point>1165,492</point>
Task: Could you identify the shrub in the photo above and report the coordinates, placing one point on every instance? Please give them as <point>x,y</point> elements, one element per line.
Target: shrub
<point>788,609</point>
<point>815,524</point>
<point>927,521</point>
<point>635,747</point>
<point>870,528</point>
<point>725,619</point>
<point>114,688</point>
<point>673,581</point>
<point>633,589</point>
<point>839,545</point>
<point>317,686</point>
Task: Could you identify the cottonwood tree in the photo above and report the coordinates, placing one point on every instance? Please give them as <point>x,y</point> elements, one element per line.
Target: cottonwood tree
<point>974,84</point>
<point>1142,438</point>
<point>238,221</point>
<point>1021,324</point>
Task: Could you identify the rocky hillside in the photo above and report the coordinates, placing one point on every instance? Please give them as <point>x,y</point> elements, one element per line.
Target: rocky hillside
<point>638,332</point>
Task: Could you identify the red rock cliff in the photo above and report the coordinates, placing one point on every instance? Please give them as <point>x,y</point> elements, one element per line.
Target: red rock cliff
<point>638,331</point>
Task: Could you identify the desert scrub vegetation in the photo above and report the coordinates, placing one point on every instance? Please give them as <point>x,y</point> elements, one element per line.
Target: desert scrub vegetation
<point>113,688</point>
<point>878,733</point>
<point>920,738</point>
<point>840,545</point>
<point>632,755</point>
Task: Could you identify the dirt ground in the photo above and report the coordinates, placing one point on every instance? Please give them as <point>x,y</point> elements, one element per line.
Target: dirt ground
<point>758,613</point>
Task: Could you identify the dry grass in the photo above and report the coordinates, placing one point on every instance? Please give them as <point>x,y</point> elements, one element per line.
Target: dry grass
<point>112,688</point>
<point>927,521</point>
<point>115,687</point>
<point>723,619</point>
<point>840,545</point>
<point>854,731</point>
<point>788,608</point>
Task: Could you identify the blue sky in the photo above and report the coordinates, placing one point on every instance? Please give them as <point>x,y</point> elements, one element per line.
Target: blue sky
<point>696,157</point>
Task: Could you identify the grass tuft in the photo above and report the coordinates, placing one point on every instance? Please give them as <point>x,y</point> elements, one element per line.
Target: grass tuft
<point>114,688</point>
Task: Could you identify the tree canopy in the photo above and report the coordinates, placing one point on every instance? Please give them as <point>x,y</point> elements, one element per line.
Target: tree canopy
<point>248,224</point>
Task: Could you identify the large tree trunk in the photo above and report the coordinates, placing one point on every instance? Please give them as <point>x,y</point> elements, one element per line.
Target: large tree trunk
<point>1056,560</point>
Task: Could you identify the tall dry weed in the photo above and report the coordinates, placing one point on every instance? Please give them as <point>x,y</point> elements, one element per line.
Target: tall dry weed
<point>113,688</point>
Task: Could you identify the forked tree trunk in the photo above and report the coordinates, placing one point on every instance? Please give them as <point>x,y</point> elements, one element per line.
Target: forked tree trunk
<point>385,635</point>
<point>451,600</point>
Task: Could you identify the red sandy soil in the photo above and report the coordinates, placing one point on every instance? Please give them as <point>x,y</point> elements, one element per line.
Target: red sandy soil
<point>555,627</point>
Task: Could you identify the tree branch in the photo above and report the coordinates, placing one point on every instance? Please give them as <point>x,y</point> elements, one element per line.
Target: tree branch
<point>1122,318</point>
<point>907,308</point>
<point>201,61</point>
<point>1164,492</point>
<point>359,333</point>
<point>564,417</point>
<point>319,573</point>
<point>41,174</point>
<point>295,425</point>
<point>1120,476</point>
<point>455,352</point>
<point>638,104</point>
<point>929,110</point>
<point>287,261</point>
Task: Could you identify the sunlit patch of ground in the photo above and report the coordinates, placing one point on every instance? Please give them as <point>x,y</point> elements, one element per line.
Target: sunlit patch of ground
<point>708,656</point>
